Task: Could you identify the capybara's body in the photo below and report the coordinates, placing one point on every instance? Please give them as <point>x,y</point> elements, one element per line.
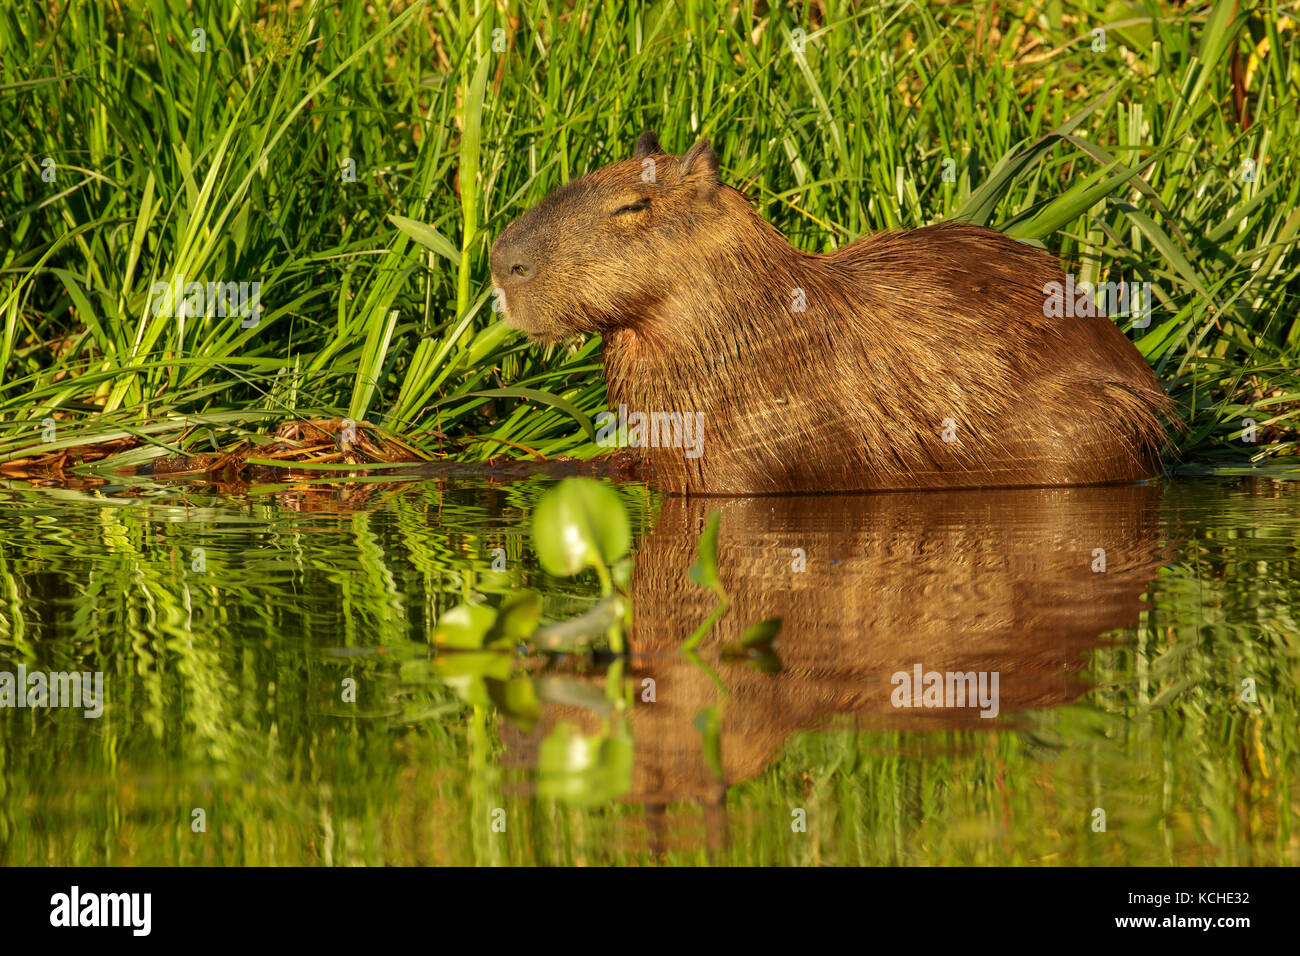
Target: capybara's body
<point>918,359</point>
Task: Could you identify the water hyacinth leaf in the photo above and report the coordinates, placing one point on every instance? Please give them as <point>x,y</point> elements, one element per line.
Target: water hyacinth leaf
<point>580,523</point>
<point>621,572</point>
<point>761,634</point>
<point>756,646</point>
<point>585,770</point>
<point>579,633</point>
<point>516,699</point>
<point>569,691</point>
<point>709,622</point>
<point>464,627</point>
<point>479,664</point>
<point>467,674</point>
<point>517,619</point>
<point>766,661</point>
<point>705,570</point>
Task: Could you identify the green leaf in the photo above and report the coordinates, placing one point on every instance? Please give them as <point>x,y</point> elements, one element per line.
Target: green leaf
<point>709,723</point>
<point>577,634</point>
<point>761,634</point>
<point>517,619</point>
<point>1173,255</point>
<point>467,674</point>
<point>516,699</point>
<point>705,570</point>
<point>464,627</point>
<point>1072,203</point>
<point>468,173</point>
<point>542,398</point>
<point>621,572</point>
<point>756,646</point>
<point>584,770</point>
<point>482,665</point>
<point>1218,37</point>
<point>580,523</point>
<point>428,237</point>
<point>979,208</point>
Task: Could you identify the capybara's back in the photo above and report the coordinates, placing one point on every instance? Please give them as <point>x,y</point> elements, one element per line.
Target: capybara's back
<point>738,365</point>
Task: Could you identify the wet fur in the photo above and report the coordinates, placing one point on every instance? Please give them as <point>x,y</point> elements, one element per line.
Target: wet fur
<point>902,331</point>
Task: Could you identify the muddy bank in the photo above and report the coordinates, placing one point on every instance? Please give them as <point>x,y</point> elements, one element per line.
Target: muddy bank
<point>310,450</point>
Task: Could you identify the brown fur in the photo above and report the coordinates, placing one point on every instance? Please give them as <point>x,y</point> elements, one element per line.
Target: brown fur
<point>693,294</point>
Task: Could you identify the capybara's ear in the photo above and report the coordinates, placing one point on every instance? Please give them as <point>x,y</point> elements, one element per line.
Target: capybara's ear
<point>647,144</point>
<point>700,166</point>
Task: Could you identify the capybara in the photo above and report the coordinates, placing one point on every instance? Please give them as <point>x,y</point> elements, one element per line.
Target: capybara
<point>905,360</point>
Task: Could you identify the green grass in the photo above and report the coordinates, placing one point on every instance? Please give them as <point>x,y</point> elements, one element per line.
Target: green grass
<point>229,165</point>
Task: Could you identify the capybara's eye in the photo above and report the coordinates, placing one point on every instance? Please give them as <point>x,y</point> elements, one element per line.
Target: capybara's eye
<point>639,206</point>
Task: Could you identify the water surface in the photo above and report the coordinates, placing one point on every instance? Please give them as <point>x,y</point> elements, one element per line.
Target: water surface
<point>274,694</point>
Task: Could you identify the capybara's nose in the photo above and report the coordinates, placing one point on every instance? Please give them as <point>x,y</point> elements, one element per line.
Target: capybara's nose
<point>510,263</point>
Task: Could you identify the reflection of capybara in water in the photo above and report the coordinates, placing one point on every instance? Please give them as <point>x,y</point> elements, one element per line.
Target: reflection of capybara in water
<point>904,360</point>
<point>982,581</point>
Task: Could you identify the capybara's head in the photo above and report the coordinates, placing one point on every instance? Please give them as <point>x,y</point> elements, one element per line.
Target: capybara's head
<point>606,246</point>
